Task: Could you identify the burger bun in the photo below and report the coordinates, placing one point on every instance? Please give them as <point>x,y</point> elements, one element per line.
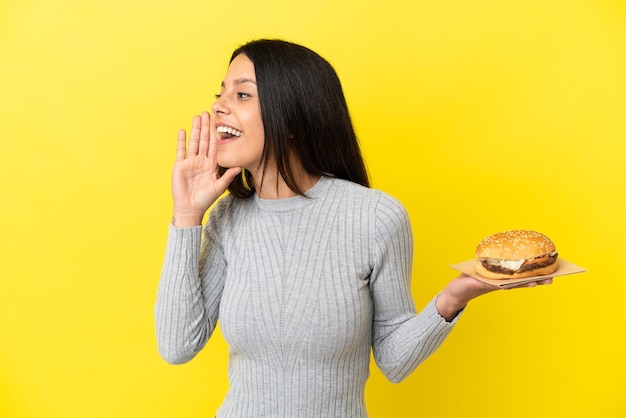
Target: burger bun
<point>516,254</point>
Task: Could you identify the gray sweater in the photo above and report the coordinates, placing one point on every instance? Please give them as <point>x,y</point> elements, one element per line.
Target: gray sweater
<point>303,288</point>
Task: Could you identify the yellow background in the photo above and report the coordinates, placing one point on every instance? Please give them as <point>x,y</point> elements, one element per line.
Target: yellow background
<point>478,115</point>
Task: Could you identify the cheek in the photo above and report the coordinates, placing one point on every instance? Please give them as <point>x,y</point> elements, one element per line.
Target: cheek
<point>255,122</point>
<point>256,136</point>
<point>257,129</point>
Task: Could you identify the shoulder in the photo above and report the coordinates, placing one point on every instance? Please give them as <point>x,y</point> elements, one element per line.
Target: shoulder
<point>355,190</point>
<point>381,201</point>
<point>230,204</point>
<point>227,209</point>
<point>373,206</point>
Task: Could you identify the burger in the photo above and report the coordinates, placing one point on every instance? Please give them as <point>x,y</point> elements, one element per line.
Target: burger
<point>516,254</point>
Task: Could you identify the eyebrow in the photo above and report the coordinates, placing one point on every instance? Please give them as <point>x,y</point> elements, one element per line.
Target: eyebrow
<point>241,81</point>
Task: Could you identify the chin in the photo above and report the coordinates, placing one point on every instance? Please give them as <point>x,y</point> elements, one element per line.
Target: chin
<point>226,161</point>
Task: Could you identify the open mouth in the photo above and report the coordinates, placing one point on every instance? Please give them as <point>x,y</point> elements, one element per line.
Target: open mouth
<point>226,132</point>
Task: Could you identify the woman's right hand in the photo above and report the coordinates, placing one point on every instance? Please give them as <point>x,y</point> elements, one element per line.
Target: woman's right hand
<point>196,183</point>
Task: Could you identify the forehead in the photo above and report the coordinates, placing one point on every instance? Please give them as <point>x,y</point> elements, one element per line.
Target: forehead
<point>240,70</point>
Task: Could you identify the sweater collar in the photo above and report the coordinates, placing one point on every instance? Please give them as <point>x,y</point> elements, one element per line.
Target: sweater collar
<point>298,201</point>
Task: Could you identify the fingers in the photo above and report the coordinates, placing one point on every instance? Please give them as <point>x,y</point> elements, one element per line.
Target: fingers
<point>181,147</point>
<point>212,152</point>
<point>540,282</point>
<point>205,133</point>
<point>194,137</point>
<point>198,139</point>
<point>229,176</point>
<point>533,283</point>
<point>222,183</point>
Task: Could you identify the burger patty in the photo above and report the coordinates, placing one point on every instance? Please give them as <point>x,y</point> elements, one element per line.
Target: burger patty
<point>524,267</point>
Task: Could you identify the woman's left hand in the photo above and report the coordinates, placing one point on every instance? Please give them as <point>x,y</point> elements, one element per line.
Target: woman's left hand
<point>464,288</point>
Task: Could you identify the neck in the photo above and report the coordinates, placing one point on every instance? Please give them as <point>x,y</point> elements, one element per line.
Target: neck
<point>271,185</point>
<point>274,186</point>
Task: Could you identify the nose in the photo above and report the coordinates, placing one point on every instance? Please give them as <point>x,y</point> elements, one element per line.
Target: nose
<point>220,105</point>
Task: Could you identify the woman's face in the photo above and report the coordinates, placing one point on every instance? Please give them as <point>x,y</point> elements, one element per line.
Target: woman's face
<point>237,118</point>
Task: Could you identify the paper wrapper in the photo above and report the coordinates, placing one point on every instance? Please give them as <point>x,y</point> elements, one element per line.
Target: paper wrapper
<point>565,268</point>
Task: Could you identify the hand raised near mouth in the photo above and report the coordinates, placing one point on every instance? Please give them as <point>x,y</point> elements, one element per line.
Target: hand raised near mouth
<point>196,183</point>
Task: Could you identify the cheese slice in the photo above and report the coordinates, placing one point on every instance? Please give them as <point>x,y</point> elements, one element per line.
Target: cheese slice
<point>507,264</point>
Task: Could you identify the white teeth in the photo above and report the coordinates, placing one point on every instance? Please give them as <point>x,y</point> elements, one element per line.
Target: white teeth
<point>228,130</point>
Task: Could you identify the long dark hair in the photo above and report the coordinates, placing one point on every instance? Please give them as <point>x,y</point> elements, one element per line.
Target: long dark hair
<point>304,112</point>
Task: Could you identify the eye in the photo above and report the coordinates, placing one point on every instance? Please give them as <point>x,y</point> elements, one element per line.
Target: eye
<point>217,96</point>
<point>242,95</point>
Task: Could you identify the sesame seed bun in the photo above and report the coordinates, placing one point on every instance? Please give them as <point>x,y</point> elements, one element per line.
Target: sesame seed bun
<point>516,254</point>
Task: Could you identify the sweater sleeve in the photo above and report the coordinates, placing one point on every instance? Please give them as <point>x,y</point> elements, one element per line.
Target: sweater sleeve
<point>189,293</point>
<point>402,338</point>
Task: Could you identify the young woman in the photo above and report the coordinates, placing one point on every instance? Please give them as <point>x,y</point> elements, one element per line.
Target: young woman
<point>306,267</point>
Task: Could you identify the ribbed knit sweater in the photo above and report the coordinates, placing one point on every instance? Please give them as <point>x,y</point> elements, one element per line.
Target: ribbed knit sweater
<point>303,288</point>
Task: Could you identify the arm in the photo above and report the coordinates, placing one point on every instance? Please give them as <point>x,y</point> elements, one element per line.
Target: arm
<point>182,325</point>
<point>190,289</point>
<point>190,284</point>
<point>402,339</point>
